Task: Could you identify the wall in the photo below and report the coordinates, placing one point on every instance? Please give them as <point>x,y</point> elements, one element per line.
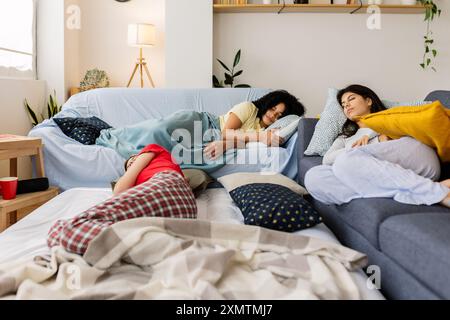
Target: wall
<point>103,39</point>
<point>13,117</point>
<point>50,46</point>
<point>189,27</point>
<point>306,53</point>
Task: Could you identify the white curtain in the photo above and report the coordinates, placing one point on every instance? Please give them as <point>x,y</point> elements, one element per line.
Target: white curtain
<point>17,33</point>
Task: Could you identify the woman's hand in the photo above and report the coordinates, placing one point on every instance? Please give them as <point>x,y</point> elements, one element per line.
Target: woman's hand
<point>271,138</point>
<point>364,141</point>
<point>215,149</point>
<point>383,138</point>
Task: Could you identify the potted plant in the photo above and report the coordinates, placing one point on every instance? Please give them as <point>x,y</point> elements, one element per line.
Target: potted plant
<point>230,74</point>
<point>52,109</point>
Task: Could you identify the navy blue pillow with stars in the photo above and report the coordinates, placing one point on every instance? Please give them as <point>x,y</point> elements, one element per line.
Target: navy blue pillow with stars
<point>274,207</point>
<point>83,130</point>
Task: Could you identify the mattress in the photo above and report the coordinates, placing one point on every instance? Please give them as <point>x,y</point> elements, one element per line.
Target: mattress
<point>27,238</point>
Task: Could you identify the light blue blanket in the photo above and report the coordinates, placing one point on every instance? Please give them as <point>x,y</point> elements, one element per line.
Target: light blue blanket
<point>184,133</point>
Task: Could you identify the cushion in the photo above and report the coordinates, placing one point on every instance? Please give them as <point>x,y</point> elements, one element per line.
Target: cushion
<point>429,124</point>
<point>83,130</point>
<point>198,179</point>
<point>236,180</point>
<point>332,120</point>
<point>287,125</point>
<point>419,243</point>
<point>274,207</point>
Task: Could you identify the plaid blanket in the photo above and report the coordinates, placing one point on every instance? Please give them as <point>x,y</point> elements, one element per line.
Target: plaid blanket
<point>166,194</point>
<point>164,258</point>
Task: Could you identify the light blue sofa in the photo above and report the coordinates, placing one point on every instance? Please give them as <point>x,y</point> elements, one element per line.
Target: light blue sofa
<point>70,164</point>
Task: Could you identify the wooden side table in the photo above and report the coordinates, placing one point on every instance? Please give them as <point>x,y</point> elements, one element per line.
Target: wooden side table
<point>11,148</point>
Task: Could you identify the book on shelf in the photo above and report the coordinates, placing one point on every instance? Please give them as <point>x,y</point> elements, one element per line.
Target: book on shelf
<point>239,2</point>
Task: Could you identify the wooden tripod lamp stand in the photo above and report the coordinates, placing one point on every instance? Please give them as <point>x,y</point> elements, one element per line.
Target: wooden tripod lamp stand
<point>141,35</point>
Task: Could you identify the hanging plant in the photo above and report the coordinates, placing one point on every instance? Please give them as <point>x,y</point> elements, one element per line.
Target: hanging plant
<point>430,52</point>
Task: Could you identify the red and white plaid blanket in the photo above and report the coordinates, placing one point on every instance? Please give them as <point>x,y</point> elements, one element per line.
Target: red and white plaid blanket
<point>166,194</point>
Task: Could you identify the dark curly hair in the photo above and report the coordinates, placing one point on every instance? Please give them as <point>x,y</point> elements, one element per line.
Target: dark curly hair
<point>350,127</point>
<point>272,99</point>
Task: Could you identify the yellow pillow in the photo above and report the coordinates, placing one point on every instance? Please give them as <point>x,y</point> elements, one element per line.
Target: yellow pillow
<point>429,124</point>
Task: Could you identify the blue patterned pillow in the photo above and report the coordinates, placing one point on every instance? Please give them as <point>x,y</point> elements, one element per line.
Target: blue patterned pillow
<point>274,207</point>
<point>332,120</point>
<point>83,130</point>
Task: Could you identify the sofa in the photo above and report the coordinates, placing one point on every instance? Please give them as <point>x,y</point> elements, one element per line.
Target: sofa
<point>71,164</point>
<point>410,244</point>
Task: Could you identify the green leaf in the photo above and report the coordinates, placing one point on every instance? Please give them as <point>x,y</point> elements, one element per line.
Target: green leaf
<point>31,113</point>
<point>434,52</point>
<point>237,58</point>
<point>228,79</point>
<point>242,86</point>
<point>422,65</point>
<point>49,110</point>
<point>216,83</point>
<point>427,49</point>
<point>237,74</point>
<point>428,62</point>
<point>224,65</point>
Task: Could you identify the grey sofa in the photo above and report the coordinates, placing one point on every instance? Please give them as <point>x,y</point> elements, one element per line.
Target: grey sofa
<point>410,244</point>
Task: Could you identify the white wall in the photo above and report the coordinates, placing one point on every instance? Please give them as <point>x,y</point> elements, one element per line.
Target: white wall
<point>50,46</point>
<point>189,26</point>
<point>103,39</point>
<point>13,117</point>
<point>306,53</point>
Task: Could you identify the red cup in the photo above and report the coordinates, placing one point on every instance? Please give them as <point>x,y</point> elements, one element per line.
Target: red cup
<point>8,186</point>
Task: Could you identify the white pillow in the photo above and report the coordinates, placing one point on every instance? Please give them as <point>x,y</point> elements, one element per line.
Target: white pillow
<point>287,125</point>
<point>236,180</point>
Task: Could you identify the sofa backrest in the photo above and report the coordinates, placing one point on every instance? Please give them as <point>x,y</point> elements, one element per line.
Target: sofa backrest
<point>126,106</point>
<point>441,95</point>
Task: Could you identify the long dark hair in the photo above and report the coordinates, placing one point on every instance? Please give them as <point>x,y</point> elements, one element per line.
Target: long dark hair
<point>350,127</point>
<point>272,99</point>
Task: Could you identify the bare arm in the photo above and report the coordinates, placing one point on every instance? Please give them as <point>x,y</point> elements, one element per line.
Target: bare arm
<point>128,180</point>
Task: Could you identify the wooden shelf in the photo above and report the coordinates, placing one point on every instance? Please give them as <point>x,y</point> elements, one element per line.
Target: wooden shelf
<point>316,8</point>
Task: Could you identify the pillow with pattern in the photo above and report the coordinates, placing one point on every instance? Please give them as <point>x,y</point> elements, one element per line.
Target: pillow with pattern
<point>332,120</point>
<point>274,207</point>
<point>287,126</point>
<point>83,130</point>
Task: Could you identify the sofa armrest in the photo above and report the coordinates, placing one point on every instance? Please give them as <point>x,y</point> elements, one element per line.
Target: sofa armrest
<point>306,128</point>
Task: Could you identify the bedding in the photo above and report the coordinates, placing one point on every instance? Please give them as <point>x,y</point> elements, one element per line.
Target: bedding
<point>70,164</point>
<point>26,239</point>
<point>166,194</point>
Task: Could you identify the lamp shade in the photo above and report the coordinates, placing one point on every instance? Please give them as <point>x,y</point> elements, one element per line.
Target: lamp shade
<point>141,35</point>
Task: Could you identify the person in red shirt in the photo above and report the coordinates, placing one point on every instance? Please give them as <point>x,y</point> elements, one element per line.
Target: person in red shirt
<point>143,166</point>
<point>152,186</point>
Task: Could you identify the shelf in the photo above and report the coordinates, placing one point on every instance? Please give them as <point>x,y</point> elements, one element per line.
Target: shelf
<point>316,8</point>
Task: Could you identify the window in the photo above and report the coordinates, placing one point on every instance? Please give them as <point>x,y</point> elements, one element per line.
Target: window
<point>17,39</point>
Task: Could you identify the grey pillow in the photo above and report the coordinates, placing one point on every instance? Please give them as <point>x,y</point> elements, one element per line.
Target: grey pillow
<point>287,125</point>
<point>332,120</point>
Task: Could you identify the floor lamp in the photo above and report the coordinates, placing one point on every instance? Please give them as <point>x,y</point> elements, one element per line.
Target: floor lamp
<point>141,35</point>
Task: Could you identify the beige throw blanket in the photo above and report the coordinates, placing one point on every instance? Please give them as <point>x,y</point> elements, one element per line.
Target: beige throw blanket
<point>156,258</point>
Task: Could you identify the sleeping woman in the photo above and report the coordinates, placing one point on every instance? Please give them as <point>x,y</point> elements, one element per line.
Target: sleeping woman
<point>364,164</point>
<point>200,138</point>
